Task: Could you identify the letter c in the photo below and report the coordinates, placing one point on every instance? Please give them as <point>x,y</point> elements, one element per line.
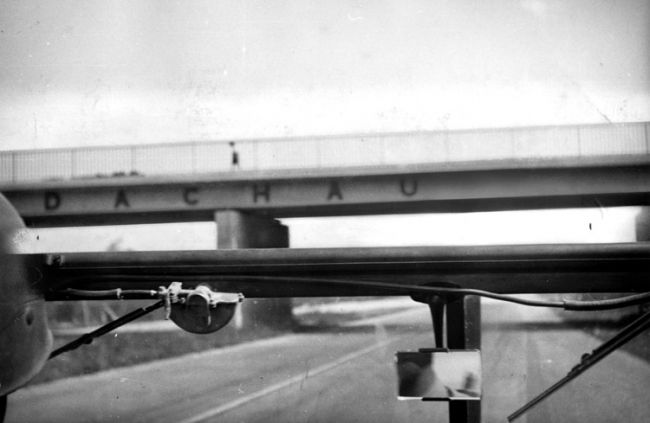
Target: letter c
<point>188,196</point>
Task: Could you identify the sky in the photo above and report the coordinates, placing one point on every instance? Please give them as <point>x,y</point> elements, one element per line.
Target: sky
<point>121,72</point>
<point>84,73</point>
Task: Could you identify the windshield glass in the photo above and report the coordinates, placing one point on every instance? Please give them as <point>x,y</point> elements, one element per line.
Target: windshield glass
<point>162,125</point>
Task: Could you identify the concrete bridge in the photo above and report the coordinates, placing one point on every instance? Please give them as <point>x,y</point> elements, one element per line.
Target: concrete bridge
<point>452,171</point>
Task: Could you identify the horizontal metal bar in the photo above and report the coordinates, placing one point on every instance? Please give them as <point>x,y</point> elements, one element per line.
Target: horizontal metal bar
<point>503,269</point>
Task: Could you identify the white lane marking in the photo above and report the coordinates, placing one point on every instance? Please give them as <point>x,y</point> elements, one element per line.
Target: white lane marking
<point>355,306</point>
<point>281,385</point>
<point>389,318</point>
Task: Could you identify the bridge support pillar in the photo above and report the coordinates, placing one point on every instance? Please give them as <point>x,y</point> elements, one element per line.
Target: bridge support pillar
<point>643,224</point>
<point>236,229</point>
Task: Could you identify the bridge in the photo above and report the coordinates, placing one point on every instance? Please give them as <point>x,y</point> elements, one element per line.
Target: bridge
<point>443,171</point>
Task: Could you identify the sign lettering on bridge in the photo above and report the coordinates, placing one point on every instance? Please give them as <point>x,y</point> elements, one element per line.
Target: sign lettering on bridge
<point>291,194</point>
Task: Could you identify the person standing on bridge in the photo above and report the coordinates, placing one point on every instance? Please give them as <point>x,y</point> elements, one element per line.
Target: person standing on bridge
<point>234,162</point>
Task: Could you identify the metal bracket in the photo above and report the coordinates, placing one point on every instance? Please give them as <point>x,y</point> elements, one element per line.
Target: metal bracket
<point>170,296</point>
<point>438,307</point>
<point>199,310</point>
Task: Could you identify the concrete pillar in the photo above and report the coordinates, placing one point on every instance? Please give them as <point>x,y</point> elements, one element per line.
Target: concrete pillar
<point>643,224</point>
<point>236,229</point>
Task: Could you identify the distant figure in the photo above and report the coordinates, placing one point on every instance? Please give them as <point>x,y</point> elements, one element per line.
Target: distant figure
<point>234,163</point>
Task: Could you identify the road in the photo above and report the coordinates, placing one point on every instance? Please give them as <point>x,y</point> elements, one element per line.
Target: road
<point>348,375</point>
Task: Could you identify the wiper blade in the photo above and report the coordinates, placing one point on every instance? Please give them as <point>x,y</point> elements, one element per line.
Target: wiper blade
<point>629,332</point>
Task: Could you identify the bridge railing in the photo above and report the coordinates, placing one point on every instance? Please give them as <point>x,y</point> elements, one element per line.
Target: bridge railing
<point>328,151</point>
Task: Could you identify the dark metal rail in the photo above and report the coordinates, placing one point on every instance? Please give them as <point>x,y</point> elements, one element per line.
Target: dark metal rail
<point>504,269</point>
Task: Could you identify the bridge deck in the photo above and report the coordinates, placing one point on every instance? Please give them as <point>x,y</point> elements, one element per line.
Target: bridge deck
<point>450,187</point>
<point>445,171</point>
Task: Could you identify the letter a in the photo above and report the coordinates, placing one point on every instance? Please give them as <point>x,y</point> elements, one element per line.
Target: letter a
<point>121,199</point>
<point>335,191</point>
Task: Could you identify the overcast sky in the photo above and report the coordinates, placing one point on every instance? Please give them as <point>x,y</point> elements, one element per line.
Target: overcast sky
<point>105,72</point>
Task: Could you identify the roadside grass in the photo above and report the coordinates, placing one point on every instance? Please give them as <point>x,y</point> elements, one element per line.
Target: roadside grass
<point>126,349</point>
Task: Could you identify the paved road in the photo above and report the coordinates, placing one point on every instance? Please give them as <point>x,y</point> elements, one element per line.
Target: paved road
<point>349,376</point>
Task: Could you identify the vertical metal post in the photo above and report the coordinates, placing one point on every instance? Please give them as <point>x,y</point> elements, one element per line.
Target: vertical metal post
<point>73,163</point>
<point>193,153</point>
<point>319,150</point>
<point>464,332</point>
<point>14,176</point>
<point>255,148</point>
<point>132,151</point>
<point>3,407</point>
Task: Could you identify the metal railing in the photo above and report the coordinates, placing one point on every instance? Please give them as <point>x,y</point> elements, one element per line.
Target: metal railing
<point>327,152</point>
